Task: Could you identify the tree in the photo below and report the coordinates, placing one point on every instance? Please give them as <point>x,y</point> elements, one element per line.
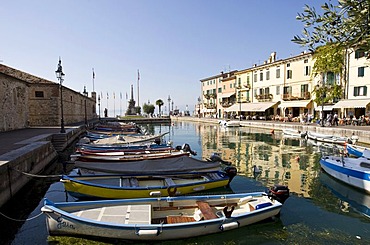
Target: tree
<point>346,24</point>
<point>331,35</point>
<point>159,103</point>
<point>148,108</point>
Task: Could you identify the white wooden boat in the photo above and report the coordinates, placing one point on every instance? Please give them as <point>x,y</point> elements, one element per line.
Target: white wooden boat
<point>145,185</point>
<point>229,123</point>
<point>331,138</point>
<point>294,133</point>
<point>352,171</point>
<point>159,219</point>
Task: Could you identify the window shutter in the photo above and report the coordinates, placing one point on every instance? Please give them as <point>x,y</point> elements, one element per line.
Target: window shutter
<point>365,90</point>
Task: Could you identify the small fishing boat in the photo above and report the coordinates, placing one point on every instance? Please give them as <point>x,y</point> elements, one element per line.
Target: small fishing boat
<point>229,123</point>
<point>352,171</point>
<point>166,165</point>
<point>144,185</point>
<point>358,151</point>
<point>331,138</point>
<point>294,133</point>
<point>162,218</point>
<point>124,157</point>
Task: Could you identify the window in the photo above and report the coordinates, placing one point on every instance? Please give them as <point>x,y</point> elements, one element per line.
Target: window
<point>361,71</point>
<point>255,77</point>
<point>219,90</point>
<point>360,91</point>
<point>305,61</point>
<point>261,90</point>
<point>39,94</point>
<point>359,53</point>
<point>248,80</point>
<point>307,70</point>
<point>277,90</point>
<point>267,90</point>
<point>277,72</point>
<point>288,65</point>
<point>289,74</point>
<point>267,75</point>
<point>330,78</point>
<point>261,76</point>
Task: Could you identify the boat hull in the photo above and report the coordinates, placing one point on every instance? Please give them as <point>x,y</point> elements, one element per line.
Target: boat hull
<point>118,186</point>
<point>348,172</point>
<point>68,218</point>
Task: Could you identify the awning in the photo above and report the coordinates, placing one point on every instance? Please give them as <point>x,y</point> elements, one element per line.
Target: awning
<point>352,103</point>
<point>251,107</point>
<point>326,108</point>
<point>297,103</point>
<point>227,95</point>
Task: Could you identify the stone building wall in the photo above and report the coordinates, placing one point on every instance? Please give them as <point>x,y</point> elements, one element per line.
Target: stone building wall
<point>27,100</point>
<point>13,103</point>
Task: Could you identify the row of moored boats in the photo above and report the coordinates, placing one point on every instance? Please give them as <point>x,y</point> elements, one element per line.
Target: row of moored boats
<point>134,186</point>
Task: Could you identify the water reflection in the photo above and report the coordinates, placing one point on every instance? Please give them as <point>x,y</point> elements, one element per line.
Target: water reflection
<point>269,158</point>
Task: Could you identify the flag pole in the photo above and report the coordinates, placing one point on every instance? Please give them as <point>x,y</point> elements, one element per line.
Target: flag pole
<point>93,79</point>
<point>138,97</point>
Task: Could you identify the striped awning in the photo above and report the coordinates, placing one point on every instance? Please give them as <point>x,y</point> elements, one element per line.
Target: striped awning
<point>352,103</point>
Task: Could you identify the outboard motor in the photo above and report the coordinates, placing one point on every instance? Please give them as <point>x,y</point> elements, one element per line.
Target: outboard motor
<point>186,148</point>
<point>231,172</point>
<point>279,193</point>
<point>215,157</point>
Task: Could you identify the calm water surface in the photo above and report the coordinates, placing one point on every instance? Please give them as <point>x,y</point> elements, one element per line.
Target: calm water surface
<point>320,210</point>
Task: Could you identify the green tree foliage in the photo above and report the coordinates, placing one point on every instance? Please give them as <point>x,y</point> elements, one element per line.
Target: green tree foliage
<point>148,108</point>
<point>159,103</point>
<point>346,24</point>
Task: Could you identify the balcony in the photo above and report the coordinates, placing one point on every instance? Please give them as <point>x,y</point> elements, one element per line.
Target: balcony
<point>210,106</point>
<point>301,96</point>
<point>264,97</point>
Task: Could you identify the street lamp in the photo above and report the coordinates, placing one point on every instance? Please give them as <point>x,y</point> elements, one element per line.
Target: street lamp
<point>85,94</point>
<point>60,75</point>
<point>169,102</point>
<point>99,105</point>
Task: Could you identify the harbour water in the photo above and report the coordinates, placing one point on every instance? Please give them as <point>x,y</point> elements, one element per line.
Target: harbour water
<point>320,210</point>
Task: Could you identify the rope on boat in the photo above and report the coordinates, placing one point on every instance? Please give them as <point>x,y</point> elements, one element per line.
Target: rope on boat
<point>21,220</point>
<point>38,176</point>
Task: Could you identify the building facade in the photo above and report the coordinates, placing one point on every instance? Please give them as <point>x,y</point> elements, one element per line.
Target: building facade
<point>283,90</point>
<point>28,100</point>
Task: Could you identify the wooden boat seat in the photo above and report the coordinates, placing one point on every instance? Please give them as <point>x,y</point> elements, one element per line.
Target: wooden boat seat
<point>206,210</point>
<point>172,219</point>
<point>169,181</point>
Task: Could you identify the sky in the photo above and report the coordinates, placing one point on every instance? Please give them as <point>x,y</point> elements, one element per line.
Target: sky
<point>170,44</point>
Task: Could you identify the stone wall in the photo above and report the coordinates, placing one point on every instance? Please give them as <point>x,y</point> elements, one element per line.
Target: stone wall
<point>13,103</point>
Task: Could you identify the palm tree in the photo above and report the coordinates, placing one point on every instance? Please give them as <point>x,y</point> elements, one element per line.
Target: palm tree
<point>159,103</point>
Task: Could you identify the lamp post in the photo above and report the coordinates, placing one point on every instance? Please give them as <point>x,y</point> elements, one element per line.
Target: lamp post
<point>99,105</point>
<point>85,94</point>
<point>169,108</point>
<point>60,75</point>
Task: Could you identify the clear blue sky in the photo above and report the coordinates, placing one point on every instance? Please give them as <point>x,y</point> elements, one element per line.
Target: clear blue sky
<point>174,43</point>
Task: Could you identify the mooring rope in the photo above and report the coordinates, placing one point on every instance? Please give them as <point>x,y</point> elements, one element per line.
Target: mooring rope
<point>39,176</point>
<point>22,220</point>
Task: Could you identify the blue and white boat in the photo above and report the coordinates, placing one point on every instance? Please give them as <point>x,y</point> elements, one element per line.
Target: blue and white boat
<point>352,171</point>
<point>358,151</point>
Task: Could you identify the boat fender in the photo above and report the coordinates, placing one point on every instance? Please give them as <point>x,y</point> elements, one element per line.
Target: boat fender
<point>228,212</point>
<point>198,215</point>
<point>263,205</point>
<point>229,226</point>
<point>148,232</point>
<point>171,191</point>
<point>245,200</point>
